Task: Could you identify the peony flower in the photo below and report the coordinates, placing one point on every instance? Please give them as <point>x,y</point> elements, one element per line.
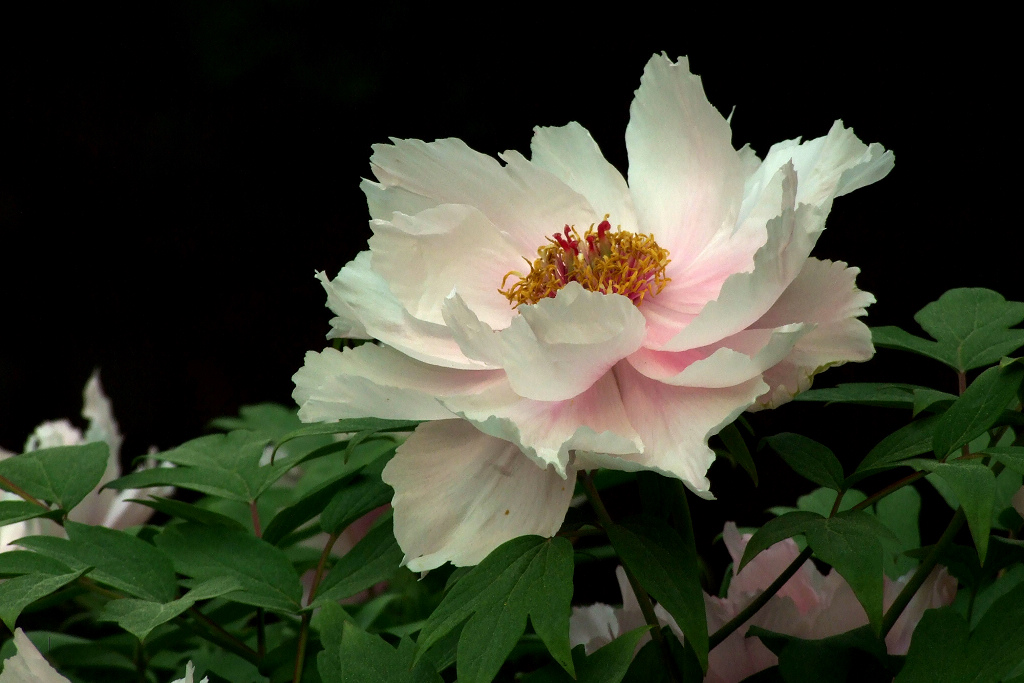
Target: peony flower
<point>29,666</point>
<point>546,317</point>
<point>810,605</point>
<point>101,507</point>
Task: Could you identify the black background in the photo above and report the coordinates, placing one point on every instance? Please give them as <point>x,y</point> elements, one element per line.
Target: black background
<point>172,174</point>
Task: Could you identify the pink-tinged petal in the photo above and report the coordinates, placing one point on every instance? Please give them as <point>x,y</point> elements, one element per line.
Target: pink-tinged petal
<point>460,493</point>
<point>746,296</point>
<point>385,200</point>
<point>685,175</point>
<point>802,589</point>
<point>732,361</point>
<point>520,198</point>
<point>558,347</point>
<point>376,309</point>
<point>27,665</point>
<point>938,590</point>
<point>1018,501</point>
<point>452,246</point>
<point>547,431</point>
<point>676,422</point>
<point>570,154</point>
<point>830,166</point>
<point>379,381</point>
<point>825,295</point>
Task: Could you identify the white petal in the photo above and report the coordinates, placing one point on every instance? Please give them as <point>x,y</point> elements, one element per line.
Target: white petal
<point>593,626</point>
<point>746,296</point>
<point>825,294</point>
<point>459,494</point>
<point>382,316</point>
<point>102,425</point>
<point>345,324</point>
<point>52,434</point>
<point>685,175</point>
<point>525,201</point>
<point>571,155</point>
<point>558,347</point>
<point>27,665</point>
<point>547,431</point>
<point>732,361</point>
<point>190,670</point>
<point>379,381</point>
<point>452,246</point>
<point>829,166</point>
<point>675,424</point>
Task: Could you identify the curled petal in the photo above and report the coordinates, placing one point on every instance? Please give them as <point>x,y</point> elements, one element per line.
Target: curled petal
<point>547,431</point>
<point>460,493</point>
<point>571,155</point>
<point>675,424</point>
<point>380,382</point>
<point>376,310</point>
<point>685,176</point>
<point>824,294</point>
<point>449,247</point>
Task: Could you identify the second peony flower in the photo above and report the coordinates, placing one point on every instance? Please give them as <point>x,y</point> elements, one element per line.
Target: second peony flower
<point>545,316</point>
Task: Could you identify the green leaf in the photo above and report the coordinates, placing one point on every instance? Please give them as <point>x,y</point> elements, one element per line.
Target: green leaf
<point>1011,456</point>
<point>850,543</point>
<point>932,400</point>
<point>63,475</point>
<point>978,408</point>
<point>226,465</point>
<point>883,395</point>
<point>974,487</point>
<point>353,502</point>
<point>271,420</point>
<point>941,650</point>
<point>737,447</point>
<point>140,617</point>
<point>265,573</point>
<point>970,326</point>
<point>375,558</point>
<point>354,656</point>
<point>359,424</point>
<point>119,560</point>
<point>899,511</point>
<point>906,442</point>
<point>18,593</point>
<point>306,508</point>
<point>189,512</point>
<point>778,529</point>
<point>17,562</point>
<point>606,665</point>
<point>857,655</point>
<point>668,568</point>
<point>649,666</point>
<point>809,459</point>
<point>13,511</point>
<point>527,576</point>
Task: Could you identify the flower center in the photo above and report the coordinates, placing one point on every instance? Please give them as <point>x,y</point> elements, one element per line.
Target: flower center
<point>603,261</point>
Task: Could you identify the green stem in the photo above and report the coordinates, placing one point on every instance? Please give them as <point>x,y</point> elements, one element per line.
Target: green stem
<point>642,598</point>
<point>891,488</point>
<point>760,601</point>
<point>215,633</point>
<point>300,655</point>
<point>922,572</point>
<point>18,491</point>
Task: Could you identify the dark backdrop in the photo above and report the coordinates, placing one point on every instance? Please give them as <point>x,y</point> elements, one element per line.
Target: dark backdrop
<point>172,174</point>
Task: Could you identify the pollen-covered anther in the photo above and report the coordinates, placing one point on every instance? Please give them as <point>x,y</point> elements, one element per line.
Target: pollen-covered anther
<point>601,260</point>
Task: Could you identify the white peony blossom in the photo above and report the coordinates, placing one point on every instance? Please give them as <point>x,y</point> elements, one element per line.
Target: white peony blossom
<point>101,507</point>
<point>545,316</point>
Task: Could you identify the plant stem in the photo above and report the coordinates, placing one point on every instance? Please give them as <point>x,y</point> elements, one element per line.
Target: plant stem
<point>300,655</point>
<point>891,488</point>
<point>642,598</point>
<point>922,572</point>
<point>18,491</point>
<point>760,601</point>
<point>215,633</point>
<point>255,519</point>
